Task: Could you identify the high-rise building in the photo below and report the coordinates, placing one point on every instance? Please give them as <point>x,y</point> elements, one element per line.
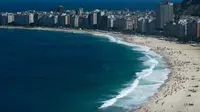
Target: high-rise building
<point>100,18</point>
<point>81,22</point>
<point>151,25</point>
<point>103,24</point>
<point>62,20</point>
<point>6,18</point>
<point>181,29</point>
<point>129,24</point>
<point>135,20</point>
<point>93,20</point>
<point>168,29</point>
<point>60,9</point>
<point>84,22</point>
<point>55,19</point>
<point>198,29</point>
<point>68,20</point>
<point>80,12</point>
<point>192,30</point>
<point>164,14</point>
<point>37,18</point>
<point>10,18</point>
<point>110,22</point>
<point>49,20</point>
<point>76,21</point>
<point>177,29</point>
<point>123,23</point>
<point>23,19</point>
<point>142,25</point>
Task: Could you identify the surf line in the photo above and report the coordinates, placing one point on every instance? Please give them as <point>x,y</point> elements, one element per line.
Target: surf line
<point>131,88</point>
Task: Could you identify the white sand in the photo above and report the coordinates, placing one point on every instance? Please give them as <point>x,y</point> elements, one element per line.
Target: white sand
<point>181,91</point>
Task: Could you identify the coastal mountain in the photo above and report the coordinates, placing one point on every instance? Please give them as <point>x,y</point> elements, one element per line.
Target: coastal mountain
<point>188,7</point>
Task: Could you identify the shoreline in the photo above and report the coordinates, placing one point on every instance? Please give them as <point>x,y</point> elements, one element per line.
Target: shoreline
<point>177,86</point>
<point>180,90</point>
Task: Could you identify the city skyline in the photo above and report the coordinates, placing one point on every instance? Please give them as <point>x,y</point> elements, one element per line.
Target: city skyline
<point>145,22</point>
<point>161,18</point>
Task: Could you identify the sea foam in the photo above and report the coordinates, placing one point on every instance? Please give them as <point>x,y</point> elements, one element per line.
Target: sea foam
<point>137,90</point>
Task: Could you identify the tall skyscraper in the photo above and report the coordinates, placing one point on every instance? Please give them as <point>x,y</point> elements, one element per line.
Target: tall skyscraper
<point>37,18</point>
<point>111,19</point>
<point>103,23</point>
<point>142,25</point>
<point>23,19</point>
<point>64,20</point>
<point>100,15</point>
<point>192,27</point>
<point>84,23</point>
<point>198,29</point>
<point>93,20</point>
<point>76,21</point>
<point>60,9</point>
<point>6,18</point>
<point>164,14</point>
<point>80,12</point>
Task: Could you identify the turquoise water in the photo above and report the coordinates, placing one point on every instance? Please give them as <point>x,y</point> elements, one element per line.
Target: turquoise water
<point>45,71</point>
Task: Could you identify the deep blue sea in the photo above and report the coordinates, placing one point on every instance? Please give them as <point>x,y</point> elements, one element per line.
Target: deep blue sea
<point>46,71</point>
<point>88,6</point>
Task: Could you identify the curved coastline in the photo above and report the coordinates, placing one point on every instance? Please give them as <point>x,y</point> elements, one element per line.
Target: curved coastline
<point>178,83</point>
<point>153,60</point>
<point>119,39</point>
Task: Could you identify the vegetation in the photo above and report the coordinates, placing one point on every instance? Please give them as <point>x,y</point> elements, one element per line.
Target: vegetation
<point>188,7</point>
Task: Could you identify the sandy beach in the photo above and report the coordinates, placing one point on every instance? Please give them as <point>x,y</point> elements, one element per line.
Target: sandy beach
<point>181,90</point>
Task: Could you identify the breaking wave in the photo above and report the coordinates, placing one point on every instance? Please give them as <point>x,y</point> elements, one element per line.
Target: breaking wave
<point>147,82</point>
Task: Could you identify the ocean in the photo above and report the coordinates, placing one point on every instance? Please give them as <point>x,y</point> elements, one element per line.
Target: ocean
<point>49,71</point>
<point>88,6</point>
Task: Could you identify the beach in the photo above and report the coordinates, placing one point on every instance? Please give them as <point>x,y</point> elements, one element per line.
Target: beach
<point>180,92</point>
